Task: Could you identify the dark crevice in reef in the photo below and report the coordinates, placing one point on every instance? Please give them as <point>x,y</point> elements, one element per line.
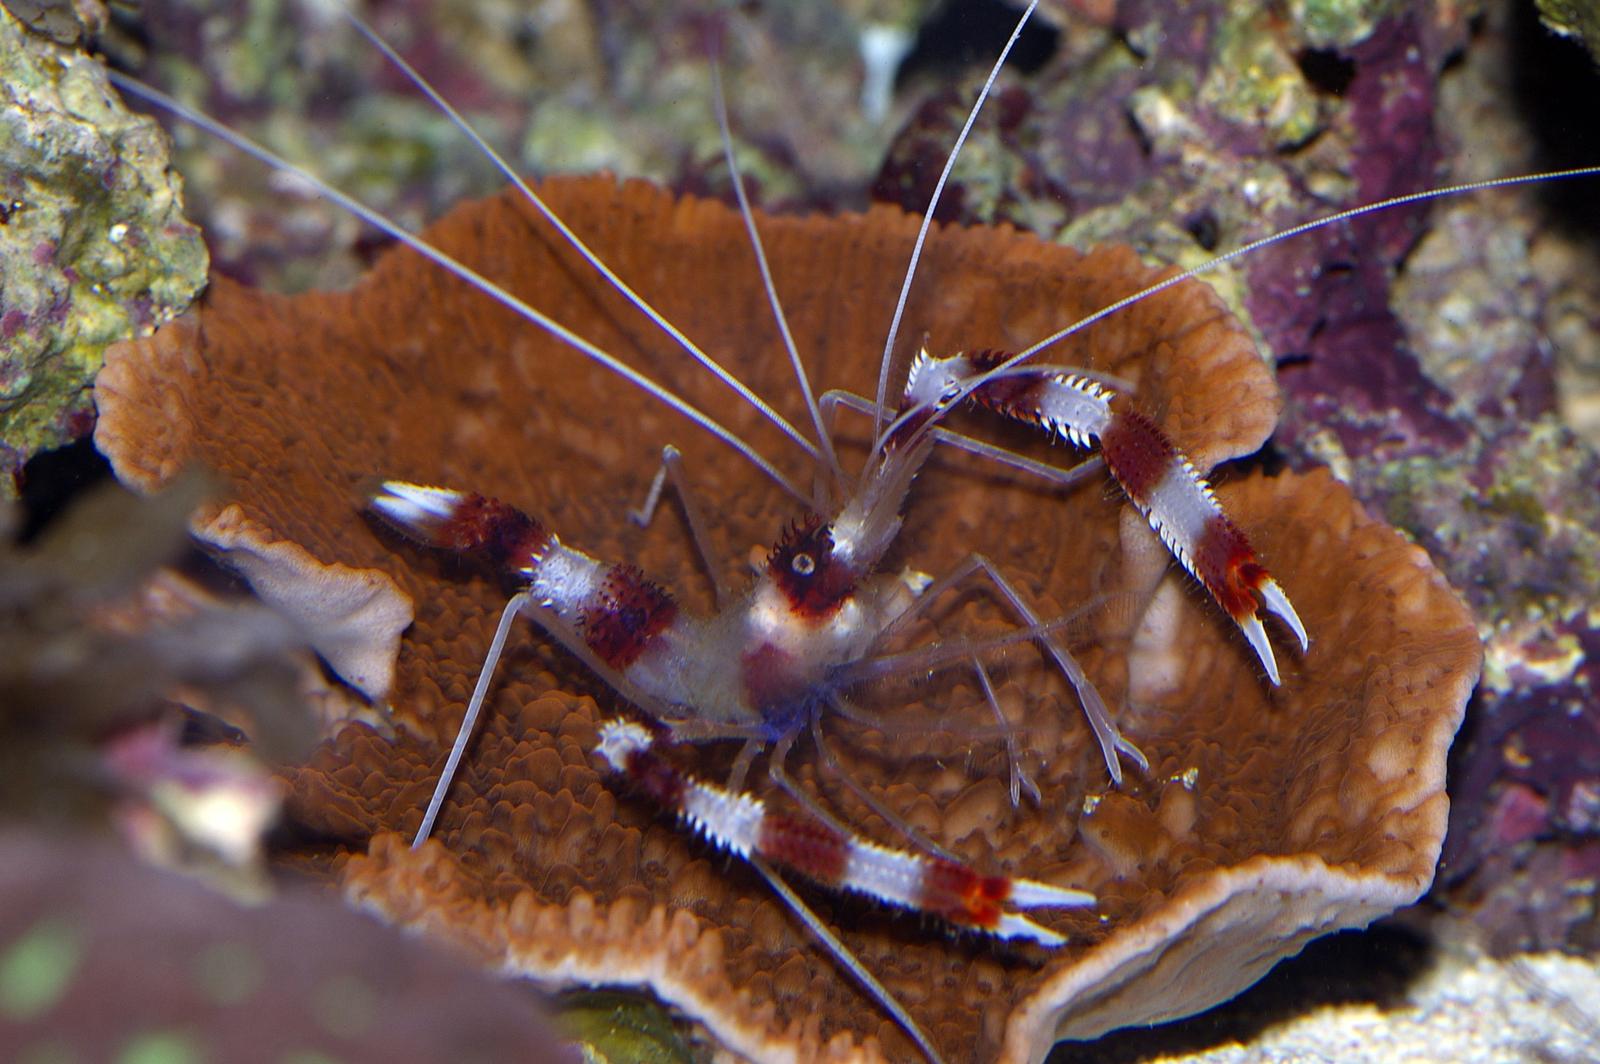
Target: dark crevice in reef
<point>49,481</point>
<point>1554,86</point>
<point>1328,71</point>
<point>970,33</point>
<point>1376,965</point>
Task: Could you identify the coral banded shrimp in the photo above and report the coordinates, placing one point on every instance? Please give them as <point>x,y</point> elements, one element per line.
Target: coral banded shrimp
<point>767,535</point>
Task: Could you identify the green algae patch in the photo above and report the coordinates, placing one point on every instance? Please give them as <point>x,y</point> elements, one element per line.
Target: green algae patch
<point>37,968</point>
<point>94,247</point>
<point>1340,23</point>
<point>613,1026</point>
<point>161,1047</point>
<point>1256,81</point>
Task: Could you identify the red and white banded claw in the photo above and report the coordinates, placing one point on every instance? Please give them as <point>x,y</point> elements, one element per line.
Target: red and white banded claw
<point>742,824</point>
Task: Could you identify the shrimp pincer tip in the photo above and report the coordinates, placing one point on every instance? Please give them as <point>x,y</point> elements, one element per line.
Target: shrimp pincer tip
<point>419,493</point>
<point>1276,602</point>
<point>1011,926</point>
<point>620,740</point>
<point>1032,894</point>
<point>1257,635</point>
<point>410,503</point>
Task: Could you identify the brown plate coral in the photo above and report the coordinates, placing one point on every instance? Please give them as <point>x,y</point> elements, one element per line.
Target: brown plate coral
<point>1268,816</point>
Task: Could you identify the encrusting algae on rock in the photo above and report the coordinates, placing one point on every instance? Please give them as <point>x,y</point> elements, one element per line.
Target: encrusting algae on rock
<point>94,247</point>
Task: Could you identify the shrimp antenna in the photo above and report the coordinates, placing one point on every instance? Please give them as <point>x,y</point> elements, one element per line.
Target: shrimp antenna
<point>466,273</point>
<point>846,959</point>
<point>927,221</point>
<point>979,380</point>
<point>656,317</point>
<point>823,439</point>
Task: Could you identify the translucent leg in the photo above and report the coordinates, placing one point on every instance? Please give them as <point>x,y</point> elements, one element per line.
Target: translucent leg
<point>1060,477</point>
<point>780,776</point>
<point>1019,775</point>
<point>741,764</point>
<point>943,652</point>
<point>847,960</point>
<point>831,761</point>
<point>463,734</point>
<point>672,469</point>
<point>1113,745</point>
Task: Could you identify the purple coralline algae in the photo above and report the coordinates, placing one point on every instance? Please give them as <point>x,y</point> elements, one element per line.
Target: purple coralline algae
<point>93,245</point>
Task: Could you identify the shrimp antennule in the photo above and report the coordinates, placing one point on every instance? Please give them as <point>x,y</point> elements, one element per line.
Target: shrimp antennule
<point>744,825</point>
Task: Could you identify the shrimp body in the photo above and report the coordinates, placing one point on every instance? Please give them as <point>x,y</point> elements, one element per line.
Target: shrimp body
<point>752,666</point>
<point>761,665</point>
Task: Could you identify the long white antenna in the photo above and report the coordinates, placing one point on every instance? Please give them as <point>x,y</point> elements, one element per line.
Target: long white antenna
<point>823,439</point>
<point>927,221</point>
<point>1256,245</point>
<point>656,317</point>
<point>469,719</point>
<point>466,273</point>
<point>846,959</point>
<point>977,381</point>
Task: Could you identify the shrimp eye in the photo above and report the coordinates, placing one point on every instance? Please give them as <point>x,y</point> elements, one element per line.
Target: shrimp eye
<point>805,569</point>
